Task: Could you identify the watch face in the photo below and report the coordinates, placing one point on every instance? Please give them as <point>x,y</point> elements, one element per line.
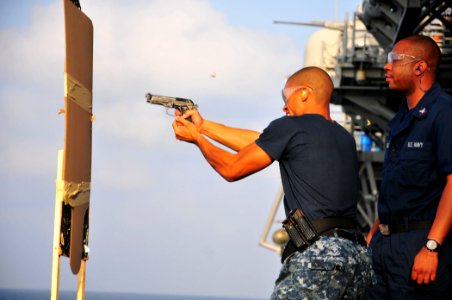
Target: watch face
<point>431,245</point>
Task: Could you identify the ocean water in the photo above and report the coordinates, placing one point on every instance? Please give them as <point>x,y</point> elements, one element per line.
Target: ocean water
<point>9,294</point>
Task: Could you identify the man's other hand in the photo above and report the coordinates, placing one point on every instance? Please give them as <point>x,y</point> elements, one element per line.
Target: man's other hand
<point>425,265</point>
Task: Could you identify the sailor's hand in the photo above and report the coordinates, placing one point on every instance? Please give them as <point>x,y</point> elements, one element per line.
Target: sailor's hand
<point>195,117</point>
<point>185,130</point>
<point>425,265</point>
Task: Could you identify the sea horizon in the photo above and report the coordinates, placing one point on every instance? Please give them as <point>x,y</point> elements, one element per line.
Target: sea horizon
<point>36,294</point>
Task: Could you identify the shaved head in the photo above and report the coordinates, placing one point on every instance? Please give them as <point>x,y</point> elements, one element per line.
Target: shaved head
<point>317,79</point>
<point>423,47</point>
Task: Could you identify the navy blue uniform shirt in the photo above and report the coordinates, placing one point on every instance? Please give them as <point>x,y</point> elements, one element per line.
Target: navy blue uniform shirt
<point>417,160</point>
<point>318,165</point>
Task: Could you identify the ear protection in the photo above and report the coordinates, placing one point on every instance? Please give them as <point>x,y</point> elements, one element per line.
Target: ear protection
<point>419,71</point>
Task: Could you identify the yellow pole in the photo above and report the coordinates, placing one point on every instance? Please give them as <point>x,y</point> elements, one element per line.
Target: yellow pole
<point>81,281</point>
<point>57,232</point>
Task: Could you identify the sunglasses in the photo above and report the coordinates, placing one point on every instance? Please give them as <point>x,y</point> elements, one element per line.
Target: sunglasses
<point>394,56</point>
<point>287,92</point>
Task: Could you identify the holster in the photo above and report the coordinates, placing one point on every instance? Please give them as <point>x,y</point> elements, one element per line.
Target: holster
<point>303,232</point>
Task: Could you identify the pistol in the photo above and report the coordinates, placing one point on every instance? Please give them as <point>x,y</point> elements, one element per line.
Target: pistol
<point>181,104</point>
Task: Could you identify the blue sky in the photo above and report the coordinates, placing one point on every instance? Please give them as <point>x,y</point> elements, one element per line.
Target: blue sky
<point>162,221</point>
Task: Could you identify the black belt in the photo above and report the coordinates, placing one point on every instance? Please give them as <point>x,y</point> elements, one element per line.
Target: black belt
<point>335,227</point>
<point>397,228</point>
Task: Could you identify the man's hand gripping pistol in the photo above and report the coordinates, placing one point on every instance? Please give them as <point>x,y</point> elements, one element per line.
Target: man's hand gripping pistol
<point>180,104</point>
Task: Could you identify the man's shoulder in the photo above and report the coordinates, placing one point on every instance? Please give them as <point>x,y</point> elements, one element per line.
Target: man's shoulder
<point>286,121</point>
<point>443,109</point>
<point>278,127</point>
<point>443,104</point>
<point>304,123</point>
<point>277,123</point>
<point>445,99</point>
<point>441,95</point>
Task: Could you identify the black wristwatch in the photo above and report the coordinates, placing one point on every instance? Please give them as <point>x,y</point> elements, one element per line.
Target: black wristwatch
<point>432,245</point>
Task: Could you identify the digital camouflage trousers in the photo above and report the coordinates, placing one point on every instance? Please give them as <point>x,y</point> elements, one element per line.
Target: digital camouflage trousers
<point>331,268</point>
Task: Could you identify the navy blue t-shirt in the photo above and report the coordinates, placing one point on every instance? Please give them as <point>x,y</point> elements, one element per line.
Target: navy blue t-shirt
<point>318,164</point>
<point>417,160</point>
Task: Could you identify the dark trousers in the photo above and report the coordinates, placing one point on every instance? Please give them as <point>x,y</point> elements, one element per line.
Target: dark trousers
<point>393,258</point>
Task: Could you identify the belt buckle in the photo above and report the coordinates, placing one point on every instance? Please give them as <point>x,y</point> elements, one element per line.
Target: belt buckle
<point>384,229</point>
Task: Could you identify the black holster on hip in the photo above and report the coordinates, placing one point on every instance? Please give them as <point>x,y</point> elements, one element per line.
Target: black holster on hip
<point>303,232</point>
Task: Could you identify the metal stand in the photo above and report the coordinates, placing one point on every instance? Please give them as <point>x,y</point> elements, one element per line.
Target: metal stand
<point>367,206</point>
<point>271,218</point>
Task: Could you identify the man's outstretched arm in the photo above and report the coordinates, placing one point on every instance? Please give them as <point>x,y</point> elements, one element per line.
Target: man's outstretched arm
<point>231,137</point>
<point>231,166</point>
